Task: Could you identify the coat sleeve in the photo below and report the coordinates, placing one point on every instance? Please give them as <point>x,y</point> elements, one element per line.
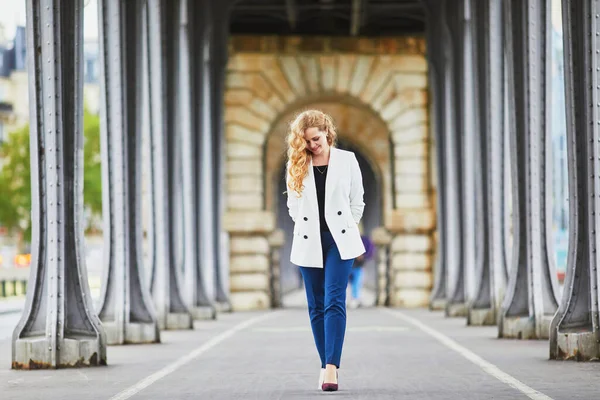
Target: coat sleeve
<point>292,198</point>
<point>357,205</point>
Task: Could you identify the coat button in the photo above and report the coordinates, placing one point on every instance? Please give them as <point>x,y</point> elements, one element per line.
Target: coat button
<point>306,219</point>
<point>339,213</point>
<point>343,231</point>
<point>305,237</point>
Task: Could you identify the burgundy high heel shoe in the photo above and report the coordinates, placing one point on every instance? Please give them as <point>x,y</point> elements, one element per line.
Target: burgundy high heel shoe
<point>330,387</point>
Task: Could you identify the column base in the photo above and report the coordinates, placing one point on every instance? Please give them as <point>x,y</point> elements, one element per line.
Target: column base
<point>524,328</point>
<point>74,352</point>
<point>135,333</point>
<point>578,346</point>
<point>223,307</point>
<point>456,310</point>
<point>438,304</point>
<point>481,317</point>
<point>175,321</point>
<point>203,313</point>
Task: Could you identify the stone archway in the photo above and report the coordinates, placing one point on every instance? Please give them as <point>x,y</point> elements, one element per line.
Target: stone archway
<point>370,82</point>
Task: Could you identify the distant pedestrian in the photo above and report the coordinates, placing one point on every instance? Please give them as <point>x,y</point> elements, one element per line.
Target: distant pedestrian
<point>357,273</point>
<point>325,201</point>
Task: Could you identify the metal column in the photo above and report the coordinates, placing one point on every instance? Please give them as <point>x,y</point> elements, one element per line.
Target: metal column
<point>575,332</point>
<point>218,66</point>
<point>126,309</point>
<point>530,300</point>
<point>59,327</point>
<point>455,102</point>
<point>435,55</point>
<point>490,278</point>
<point>199,291</point>
<point>163,23</point>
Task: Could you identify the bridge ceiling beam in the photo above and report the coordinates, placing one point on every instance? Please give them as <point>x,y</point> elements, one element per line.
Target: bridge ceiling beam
<point>163,76</point>
<point>531,296</point>
<point>459,88</point>
<point>575,331</point>
<point>199,283</point>
<point>490,278</point>
<point>436,43</point>
<point>291,9</point>
<point>126,309</point>
<point>59,327</point>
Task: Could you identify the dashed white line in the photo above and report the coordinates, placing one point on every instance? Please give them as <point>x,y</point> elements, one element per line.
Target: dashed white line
<point>469,355</point>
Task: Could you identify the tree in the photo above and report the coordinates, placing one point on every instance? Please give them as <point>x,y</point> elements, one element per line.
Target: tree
<point>15,177</point>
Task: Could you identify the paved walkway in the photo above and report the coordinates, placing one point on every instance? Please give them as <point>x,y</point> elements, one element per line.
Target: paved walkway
<point>388,354</point>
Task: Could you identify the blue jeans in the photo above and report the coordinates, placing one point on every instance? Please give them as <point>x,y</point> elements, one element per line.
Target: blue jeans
<point>326,296</point>
<point>356,279</point>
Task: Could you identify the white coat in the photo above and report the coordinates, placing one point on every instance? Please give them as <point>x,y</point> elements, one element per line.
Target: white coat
<point>344,207</point>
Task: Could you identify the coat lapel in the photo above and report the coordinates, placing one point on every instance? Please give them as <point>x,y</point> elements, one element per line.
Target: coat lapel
<point>332,171</point>
<point>311,188</point>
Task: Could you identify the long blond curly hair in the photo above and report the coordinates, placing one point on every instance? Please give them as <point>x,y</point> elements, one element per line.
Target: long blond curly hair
<point>298,154</point>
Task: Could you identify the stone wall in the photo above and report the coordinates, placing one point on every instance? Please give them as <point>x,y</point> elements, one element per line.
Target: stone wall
<point>376,91</point>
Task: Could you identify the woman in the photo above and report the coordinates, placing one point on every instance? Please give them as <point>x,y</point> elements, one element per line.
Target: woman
<point>325,201</point>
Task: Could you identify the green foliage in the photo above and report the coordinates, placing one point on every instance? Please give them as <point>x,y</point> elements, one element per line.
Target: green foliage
<point>15,177</point>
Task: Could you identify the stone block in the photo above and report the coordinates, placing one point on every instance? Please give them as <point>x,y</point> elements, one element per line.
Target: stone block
<point>310,69</point>
<point>411,63</point>
<point>249,245</point>
<point>34,353</point>
<point>238,97</point>
<point>135,333</point>
<point>246,301</point>
<point>328,72</point>
<point>239,133</point>
<point>249,282</point>
<point>344,72</point>
<point>244,201</point>
<point>410,298</point>
<point>361,73</point>
<point>412,166</point>
<point>244,167</point>
<point>417,220</point>
<point>409,118</point>
<point>244,184</point>
<point>407,183</point>
<point>412,150</point>
<point>416,133</point>
<point>411,262</point>
<point>239,264</point>
<point>413,200</point>
<point>412,244</point>
<point>413,280</point>
<point>243,116</point>
<point>412,80</point>
<point>243,151</point>
<point>293,74</point>
<point>248,221</point>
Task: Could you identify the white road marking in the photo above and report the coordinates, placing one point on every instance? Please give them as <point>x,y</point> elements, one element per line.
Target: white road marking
<point>289,329</point>
<point>474,358</point>
<point>169,369</point>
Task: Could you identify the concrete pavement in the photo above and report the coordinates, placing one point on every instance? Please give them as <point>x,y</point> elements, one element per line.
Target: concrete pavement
<point>408,354</point>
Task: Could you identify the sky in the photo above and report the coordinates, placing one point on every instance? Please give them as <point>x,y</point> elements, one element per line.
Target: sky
<point>12,14</point>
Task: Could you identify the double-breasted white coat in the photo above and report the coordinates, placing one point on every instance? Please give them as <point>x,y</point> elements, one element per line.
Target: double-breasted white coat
<point>344,207</point>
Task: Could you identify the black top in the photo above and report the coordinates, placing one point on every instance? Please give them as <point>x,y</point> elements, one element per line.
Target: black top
<point>320,173</point>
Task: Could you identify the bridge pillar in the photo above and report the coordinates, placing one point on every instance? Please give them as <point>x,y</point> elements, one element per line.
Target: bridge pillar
<point>455,123</point>
<point>199,271</point>
<point>530,300</point>
<point>218,66</point>
<point>59,327</point>
<point>490,268</point>
<point>126,309</point>
<point>575,331</point>
<point>163,63</point>
<point>435,57</point>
